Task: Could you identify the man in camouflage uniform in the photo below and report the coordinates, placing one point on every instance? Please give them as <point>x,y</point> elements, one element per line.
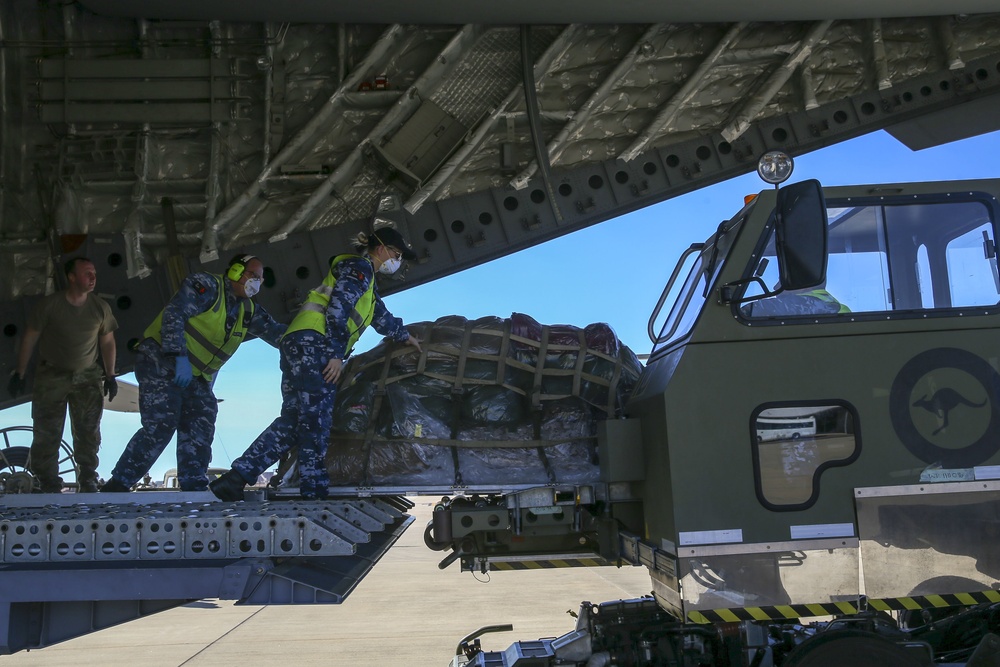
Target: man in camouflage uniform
<point>814,301</point>
<point>313,350</point>
<point>68,327</point>
<point>195,334</point>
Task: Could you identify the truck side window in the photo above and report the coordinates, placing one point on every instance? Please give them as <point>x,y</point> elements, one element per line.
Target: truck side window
<point>971,272</point>
<point>793,445</point>
<point>888,256</point>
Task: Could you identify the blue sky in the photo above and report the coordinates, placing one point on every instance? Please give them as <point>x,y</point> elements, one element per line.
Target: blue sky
<point>612,272</point>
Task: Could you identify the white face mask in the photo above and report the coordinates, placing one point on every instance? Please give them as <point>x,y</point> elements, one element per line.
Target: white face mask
<point>251,286</point>
<point>390,265</point>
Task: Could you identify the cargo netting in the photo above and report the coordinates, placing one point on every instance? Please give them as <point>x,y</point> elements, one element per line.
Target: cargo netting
<point>490,401</point>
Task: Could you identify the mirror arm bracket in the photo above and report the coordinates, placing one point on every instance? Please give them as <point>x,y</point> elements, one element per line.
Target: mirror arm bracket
<point>727,293</point>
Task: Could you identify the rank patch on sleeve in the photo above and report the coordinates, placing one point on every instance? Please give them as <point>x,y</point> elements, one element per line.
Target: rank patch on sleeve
<point>199,288</point>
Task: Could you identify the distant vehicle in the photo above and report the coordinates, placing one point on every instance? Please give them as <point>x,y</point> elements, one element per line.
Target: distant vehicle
<point>784,428</point>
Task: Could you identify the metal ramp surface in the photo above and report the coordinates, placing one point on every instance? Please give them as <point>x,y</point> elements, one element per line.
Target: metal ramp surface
<point>72,564</point>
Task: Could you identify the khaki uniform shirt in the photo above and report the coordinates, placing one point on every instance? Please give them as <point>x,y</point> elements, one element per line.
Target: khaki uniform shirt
<point>69,334</point>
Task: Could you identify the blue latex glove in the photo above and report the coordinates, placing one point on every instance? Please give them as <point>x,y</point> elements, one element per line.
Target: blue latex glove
<point>182,371</point>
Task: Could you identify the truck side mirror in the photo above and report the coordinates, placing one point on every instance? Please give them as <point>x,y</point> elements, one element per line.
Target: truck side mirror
<point>801,235</point>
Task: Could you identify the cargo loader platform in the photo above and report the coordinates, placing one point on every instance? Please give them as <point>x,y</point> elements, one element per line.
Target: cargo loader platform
<point>75,563</point>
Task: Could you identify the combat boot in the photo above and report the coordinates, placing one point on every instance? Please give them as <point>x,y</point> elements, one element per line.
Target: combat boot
<point>51,486</point>
<point>229,487</point>
<point>114,486</point>
<point>86,482</point>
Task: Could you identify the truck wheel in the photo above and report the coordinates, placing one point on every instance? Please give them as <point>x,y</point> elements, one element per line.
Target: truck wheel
<point>856,648</point>
<point>915,618</point>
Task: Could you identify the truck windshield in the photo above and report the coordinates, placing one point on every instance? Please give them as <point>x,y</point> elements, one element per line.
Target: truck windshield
<point>892,256</point>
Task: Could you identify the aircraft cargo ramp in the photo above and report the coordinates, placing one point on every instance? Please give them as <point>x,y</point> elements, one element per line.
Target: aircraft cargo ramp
<point>512,424</point>
<point>74,563</point>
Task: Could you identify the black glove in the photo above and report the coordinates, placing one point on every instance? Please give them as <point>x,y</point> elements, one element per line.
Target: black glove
<point>16,385</point>
<point>110,388</point>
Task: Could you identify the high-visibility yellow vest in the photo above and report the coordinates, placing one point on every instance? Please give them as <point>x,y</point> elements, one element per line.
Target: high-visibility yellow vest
<point>826,297</point>
<point>209,345</point>
<point>312,314</point>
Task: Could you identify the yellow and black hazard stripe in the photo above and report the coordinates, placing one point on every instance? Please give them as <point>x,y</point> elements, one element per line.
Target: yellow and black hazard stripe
<point>514,565</point>
<point>789,612</point>
<point>935,601</point>
<point>782,612</point>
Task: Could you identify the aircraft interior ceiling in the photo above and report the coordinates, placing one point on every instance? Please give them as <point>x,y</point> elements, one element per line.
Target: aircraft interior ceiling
<point>157,143</point>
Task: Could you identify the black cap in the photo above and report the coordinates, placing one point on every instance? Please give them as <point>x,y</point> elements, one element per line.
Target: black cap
<point>389,236</point>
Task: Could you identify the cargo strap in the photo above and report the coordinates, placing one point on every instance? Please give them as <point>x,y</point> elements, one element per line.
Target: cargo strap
<point>466,444</point>
<point>505,359</point>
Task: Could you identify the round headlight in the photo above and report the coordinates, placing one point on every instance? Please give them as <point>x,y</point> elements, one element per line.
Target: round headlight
<point>775,167</point>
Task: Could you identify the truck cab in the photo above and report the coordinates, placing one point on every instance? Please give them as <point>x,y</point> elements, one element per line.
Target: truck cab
<point>888,347</point>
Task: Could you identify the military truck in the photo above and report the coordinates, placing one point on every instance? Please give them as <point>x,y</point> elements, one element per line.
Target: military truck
<point>868,539</point>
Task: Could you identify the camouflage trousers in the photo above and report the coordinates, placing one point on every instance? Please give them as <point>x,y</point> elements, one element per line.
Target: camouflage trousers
<point>53,390</point>
<point>164,409</point>
<point>305,419</point>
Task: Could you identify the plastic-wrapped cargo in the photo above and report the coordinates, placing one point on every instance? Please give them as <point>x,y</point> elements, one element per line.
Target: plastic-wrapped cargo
<point>487,402</point>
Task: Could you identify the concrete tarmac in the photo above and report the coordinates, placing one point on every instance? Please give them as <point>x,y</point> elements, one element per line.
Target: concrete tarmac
<point>406,611</point>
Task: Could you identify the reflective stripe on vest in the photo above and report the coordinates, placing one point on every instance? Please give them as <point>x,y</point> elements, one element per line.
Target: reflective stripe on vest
<point>312,313</point>
<point>209,344</point>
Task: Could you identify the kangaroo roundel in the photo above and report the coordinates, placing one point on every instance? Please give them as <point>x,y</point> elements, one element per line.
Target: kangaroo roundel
<point>943,405</point>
